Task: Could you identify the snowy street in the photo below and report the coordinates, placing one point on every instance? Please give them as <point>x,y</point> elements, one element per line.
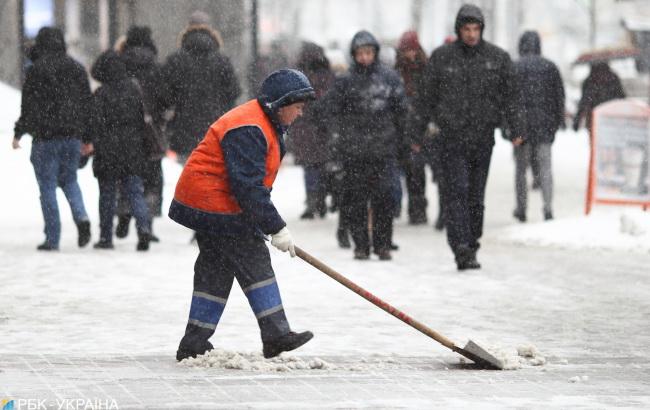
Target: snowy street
<point>104,325</point>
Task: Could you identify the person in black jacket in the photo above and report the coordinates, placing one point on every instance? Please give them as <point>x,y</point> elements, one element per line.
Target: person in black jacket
<point>367,107</point>
<point>309,138</point>
<point>117,128</point>
<point>600,86</point>
<point>54,111</point>
<point>468,92</point>
<point>541,98</point>
<point>202,86</point>
<point>139,54</point>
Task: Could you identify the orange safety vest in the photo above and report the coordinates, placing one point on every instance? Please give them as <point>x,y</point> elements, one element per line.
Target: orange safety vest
<point>204,184</point>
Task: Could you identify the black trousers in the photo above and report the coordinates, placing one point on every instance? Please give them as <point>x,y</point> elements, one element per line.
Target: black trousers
<point>368,184</point>
<point>221,260</point>
<point>416,185</point>
<point>464,172</point>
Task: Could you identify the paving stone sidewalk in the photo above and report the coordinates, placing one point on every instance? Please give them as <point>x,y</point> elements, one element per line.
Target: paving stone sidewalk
<point>156,382</point>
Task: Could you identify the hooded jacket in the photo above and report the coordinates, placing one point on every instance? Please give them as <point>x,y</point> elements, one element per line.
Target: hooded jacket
<point>56,93</point>
<point>469,91</point>
<point>139,54</point>
<point>367,107</point>
<point>202,86</point>
<point>540,91</point>
<point>117,122</point>
<point>309,136</point>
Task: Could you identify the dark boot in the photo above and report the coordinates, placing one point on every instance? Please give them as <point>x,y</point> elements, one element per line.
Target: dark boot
<point>122,229</point>
<point>102,244</point>
<point>184,352</point>
<point>519,215</point>
<point>286,343</point>
<point>440,223</point>
<point>384,254</point>
<point>83,233</point>
<point>308,214</point>
<point>466,259</point>
<point>143,241</point>
<point>361,255</point>
<point>47,247</point>
<point>548,215</point>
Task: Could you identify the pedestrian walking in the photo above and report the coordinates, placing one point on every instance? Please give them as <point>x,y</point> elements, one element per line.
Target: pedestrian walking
<point>367,106</point>
<point>410,63</point>
<point>600,86</point>
<point>54,111</point>
<point>224,194</point>
<point>202,86</point>
<point>468,93</point>
<point>139,54</point>
<point>118,127</point>
<point>309,139</point>
<point>541,101</point>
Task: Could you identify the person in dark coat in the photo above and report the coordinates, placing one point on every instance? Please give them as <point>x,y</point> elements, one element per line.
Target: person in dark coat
<point>600,86</point>
<point>541,100</point>
<point>202,86</point>
<point>410,63</point>
<point>120,150</point>
<point>54,111</point>
<point>224,194</point>
<point>367,107</point>
<point>310,136</point>
<point>468,93</point>
<point>139,54</point>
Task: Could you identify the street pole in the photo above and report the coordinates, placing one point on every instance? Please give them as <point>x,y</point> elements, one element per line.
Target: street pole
<point>252,71</point>
<point>21,40</point>
<point>112,22</point>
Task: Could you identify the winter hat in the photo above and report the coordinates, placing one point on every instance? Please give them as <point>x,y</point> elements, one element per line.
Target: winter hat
<point>140,36</point>
<point>363,38</point>
<point>108,67</point>
<point>469,13</point>
<point>48,40</point>
<point>529,43</point>
<point>409,41</point>
<point>285,87</point>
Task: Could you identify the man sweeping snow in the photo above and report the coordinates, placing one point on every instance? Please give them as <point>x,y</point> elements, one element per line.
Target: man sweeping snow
<point>224,194</point>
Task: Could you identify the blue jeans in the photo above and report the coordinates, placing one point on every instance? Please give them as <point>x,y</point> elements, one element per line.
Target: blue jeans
<point>55,164</point>
<point>133,188</point>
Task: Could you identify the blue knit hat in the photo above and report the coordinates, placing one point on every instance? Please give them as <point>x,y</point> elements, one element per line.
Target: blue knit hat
<point>285,87</point>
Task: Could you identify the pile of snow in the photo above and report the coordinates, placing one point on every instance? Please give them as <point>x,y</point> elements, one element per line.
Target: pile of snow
<point>224,359</point>
<point>604,229</point>
<point>525,355</point>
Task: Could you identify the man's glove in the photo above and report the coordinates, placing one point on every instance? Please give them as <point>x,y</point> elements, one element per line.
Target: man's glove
<point>283,241</point>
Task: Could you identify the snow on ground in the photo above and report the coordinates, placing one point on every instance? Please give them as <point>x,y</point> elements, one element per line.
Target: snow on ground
<point>577,300</point>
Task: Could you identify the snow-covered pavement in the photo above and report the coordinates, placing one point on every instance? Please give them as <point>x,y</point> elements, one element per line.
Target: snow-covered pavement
<point>83,323</point>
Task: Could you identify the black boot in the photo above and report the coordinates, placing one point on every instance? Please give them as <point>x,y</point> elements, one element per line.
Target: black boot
<point>83,231</point>
<point>122,229</point>
<point>47,247</point>
<point>286,343</point>
<point>466,259</point>
<point>519,215</point>
<point>103,244</point>
<point>143,241</point>
<point>184,352</point>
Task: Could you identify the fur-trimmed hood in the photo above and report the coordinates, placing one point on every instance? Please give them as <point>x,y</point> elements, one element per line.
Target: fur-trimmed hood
<point>200,39</point>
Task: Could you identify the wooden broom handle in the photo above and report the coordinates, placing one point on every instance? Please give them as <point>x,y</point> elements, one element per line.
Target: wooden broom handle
<point>375,300</point>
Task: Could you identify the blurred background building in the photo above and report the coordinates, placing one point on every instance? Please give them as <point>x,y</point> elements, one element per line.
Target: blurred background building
<point>569,28</point>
